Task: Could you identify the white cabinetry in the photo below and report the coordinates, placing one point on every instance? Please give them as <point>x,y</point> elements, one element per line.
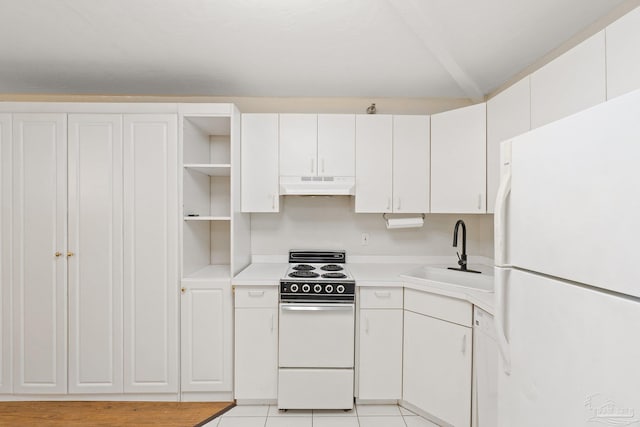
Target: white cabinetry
<point>623,61</point>
<point>508,115</point>
<point>215,246</point>
<point>5,250</point>
<point>458,160</point>
<point>380,344</point>
<point>298,144</point>
<point>95,237</point>
<point>392,164</point>
<point>150,253</point>
<point>93,214</point>
<point>317,144</point>
<point>411,151</point>
<point>39,251</point>
<point>256,343</point>
<point>336,144</point>
<point>374,151</point>
<point>437,357</point>
<point>570,83</point>
<point>260,163</point>
<point>206,336</point>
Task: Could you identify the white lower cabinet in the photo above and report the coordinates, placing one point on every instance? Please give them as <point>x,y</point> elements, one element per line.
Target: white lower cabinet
<point>256,343</point>
<point>380,344</point>
<point>437,359</point>
<point>206,336</point>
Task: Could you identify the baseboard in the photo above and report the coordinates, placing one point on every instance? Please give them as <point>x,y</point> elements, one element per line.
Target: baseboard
<point>138,397</point>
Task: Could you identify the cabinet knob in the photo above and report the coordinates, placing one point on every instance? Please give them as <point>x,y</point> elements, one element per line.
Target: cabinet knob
<point>58,254</point>
<point>183,290</point>
<point>69,253</point>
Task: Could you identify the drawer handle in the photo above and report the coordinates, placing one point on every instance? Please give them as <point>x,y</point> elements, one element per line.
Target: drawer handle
<point>383,294</point>
<point>256,293</point>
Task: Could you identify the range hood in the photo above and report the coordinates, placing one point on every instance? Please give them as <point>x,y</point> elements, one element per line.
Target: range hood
<point>317,185</point>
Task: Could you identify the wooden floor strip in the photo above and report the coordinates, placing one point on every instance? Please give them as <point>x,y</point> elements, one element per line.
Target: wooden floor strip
<point>102,414</point>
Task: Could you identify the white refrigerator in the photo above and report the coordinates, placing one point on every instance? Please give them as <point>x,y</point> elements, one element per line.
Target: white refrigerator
<point>567,235</point>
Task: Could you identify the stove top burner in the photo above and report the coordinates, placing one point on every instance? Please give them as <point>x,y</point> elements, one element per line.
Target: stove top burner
<point>332,267</point>
<point>304,267</point>
<point>334,275</point>
<point>304,274</point>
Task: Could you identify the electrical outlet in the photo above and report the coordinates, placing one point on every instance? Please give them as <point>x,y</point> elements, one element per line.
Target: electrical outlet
<point>365,239</point>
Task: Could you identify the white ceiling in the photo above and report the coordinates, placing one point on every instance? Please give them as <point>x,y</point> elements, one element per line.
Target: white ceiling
<point>369,48</point>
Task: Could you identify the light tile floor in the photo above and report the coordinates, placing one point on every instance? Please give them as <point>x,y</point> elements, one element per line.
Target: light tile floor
<point>360,416</point>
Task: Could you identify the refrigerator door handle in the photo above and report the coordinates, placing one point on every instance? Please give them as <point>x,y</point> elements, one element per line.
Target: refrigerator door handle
<point>500,309</point>
<point>500,224</point>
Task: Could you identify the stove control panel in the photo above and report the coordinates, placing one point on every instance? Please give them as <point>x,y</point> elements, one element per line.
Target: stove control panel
<point>305,291</point>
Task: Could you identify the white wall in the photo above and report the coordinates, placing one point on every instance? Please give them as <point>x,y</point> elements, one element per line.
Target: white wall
<point>323,222</point>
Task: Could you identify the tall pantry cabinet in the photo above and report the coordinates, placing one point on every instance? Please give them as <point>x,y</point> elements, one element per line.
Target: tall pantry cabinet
<point>89,251</point>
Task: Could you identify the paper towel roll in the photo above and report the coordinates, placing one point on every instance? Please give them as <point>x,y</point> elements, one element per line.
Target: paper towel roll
<point>411,222</point>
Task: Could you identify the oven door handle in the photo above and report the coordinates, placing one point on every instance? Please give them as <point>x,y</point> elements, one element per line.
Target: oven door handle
<point>318,307</point>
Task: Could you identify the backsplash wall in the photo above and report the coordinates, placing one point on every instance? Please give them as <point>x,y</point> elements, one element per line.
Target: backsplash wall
<point>329,222</point>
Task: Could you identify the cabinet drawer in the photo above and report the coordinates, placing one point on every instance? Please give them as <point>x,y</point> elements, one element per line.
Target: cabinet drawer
<point>381,297</point>
<point>248,297</point>
<point>438,306</point>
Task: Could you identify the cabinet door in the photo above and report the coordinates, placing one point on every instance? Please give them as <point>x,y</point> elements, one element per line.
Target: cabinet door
<point>206,340</point>
<point>298,144</point>
<point>95,238</point>
<point>39,247</point>
<point>380,355</point>
<point>411,150</point>
<point>256,355</point>
<point>374,163</point>
<point>150,253</point>
<point>259,169</point>
<point>571,83</point>
<point>508,115</point>
<point>437,368</point>
<point>623,61</point>
<point>336,144</point>
<point>458,160</point>
<point>5,251</point>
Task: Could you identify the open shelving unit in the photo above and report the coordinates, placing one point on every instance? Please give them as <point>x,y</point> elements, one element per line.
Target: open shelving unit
<point>207,207</point>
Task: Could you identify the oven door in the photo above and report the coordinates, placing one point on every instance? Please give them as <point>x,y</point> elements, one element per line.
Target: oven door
<point>316,335</point>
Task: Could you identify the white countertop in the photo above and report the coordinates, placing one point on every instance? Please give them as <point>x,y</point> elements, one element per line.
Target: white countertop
<point>378,274</point>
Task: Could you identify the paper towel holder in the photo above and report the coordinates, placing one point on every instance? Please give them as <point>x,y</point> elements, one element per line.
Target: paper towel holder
<point>404,222</point>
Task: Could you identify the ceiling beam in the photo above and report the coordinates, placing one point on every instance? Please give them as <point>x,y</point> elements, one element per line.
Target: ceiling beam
<point>419,23</point>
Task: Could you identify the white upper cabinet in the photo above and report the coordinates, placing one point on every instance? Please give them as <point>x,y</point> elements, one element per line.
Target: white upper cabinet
<point>298,144</point>
<point>5,250</point>
<point>508,115</point>
<point>259,151</point>
<point>570,83</point>
<point>623,58</point>
<point>458,160</point>
<point>336,144</point>
<point>411,148</point>
<point>39,251</point>
<point>374,151</point>
<point>317,144</point>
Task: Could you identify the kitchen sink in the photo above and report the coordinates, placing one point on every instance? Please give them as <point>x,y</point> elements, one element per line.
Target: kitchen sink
<point>441,275</point>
